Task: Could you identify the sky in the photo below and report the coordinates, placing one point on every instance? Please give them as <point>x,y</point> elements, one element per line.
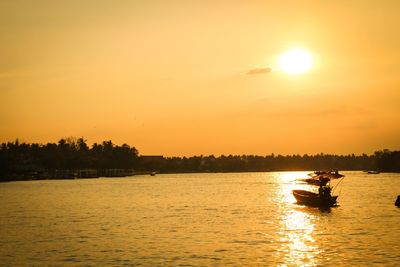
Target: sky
<point>182,78</point>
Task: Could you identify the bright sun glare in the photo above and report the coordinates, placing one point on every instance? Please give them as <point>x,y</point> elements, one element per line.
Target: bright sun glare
<point>295,61</point>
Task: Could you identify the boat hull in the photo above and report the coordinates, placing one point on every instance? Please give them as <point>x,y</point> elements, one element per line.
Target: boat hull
<point>313,200</point>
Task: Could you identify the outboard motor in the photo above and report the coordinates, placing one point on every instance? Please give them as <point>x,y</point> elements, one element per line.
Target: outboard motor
<point>397,203</point>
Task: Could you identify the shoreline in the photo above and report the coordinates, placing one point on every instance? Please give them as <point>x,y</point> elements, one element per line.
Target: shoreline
<point>71,176</point>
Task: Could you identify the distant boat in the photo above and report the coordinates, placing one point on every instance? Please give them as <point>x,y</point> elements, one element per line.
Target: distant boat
<point>332,174</point>
<point>153,174</point>
<point>321,177</point>
<point>313,199</point>
<point>373,172</point>
<point>317,180</point>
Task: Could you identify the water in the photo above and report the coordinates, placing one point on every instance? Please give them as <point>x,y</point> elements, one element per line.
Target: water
<point>239,219</point>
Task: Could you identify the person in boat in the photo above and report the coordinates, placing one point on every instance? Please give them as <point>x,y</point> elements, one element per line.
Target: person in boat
<point>324,190</point>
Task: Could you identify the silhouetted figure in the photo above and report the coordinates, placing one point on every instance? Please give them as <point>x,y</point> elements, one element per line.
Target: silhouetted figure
<point>397,203</point>
<point>324,191</point>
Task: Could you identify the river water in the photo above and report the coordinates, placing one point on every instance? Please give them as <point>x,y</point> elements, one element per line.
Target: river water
<point>219,219</point>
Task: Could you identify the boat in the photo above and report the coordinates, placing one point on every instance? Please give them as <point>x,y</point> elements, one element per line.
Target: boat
<point>332,174</point>
<point>373,172</point>
<point>319,180</point>
<point>321,177</point>
<point>316,180</point>
<point>313,199</point>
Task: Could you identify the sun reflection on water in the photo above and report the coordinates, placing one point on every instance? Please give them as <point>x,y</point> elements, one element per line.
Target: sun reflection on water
<point>298,241</point>
<point>288,182</point>
<point>292,176</point>
<point>298,246</point>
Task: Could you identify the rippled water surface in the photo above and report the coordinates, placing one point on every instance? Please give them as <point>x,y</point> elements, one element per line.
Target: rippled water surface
<point>239,219</point>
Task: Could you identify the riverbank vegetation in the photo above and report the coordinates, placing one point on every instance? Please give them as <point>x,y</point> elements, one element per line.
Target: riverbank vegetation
<point>72,158</point>
<point>68,158</point>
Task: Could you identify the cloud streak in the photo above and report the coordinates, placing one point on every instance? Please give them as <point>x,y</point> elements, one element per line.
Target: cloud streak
<point>259,71</point>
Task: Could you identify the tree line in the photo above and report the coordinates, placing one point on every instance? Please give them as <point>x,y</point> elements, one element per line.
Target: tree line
<point>18,159</point>
<point>247,163</point>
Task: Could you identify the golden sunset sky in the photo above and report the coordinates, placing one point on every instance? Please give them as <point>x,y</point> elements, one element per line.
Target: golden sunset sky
<point>192,77</point>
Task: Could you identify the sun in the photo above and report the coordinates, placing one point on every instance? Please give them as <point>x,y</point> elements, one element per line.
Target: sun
<point>296,61</point>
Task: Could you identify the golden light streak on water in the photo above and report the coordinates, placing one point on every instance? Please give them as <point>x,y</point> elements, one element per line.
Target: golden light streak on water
<point>299,242</point>
<point>298,246</point>
<point>289,181</point>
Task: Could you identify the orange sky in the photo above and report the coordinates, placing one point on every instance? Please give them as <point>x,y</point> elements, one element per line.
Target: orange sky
<point>170,77</point>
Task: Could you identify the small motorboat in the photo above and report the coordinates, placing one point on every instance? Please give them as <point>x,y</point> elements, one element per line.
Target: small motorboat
<point>332,174</point>
<point>317,180</point>
<point>313,199</point>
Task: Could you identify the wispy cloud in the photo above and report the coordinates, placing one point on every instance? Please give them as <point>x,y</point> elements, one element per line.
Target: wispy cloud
<point>259,71</point>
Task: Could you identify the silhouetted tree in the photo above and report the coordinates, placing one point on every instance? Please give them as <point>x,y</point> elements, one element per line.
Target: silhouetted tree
<point>387,160</point>
<point>17,159</point>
